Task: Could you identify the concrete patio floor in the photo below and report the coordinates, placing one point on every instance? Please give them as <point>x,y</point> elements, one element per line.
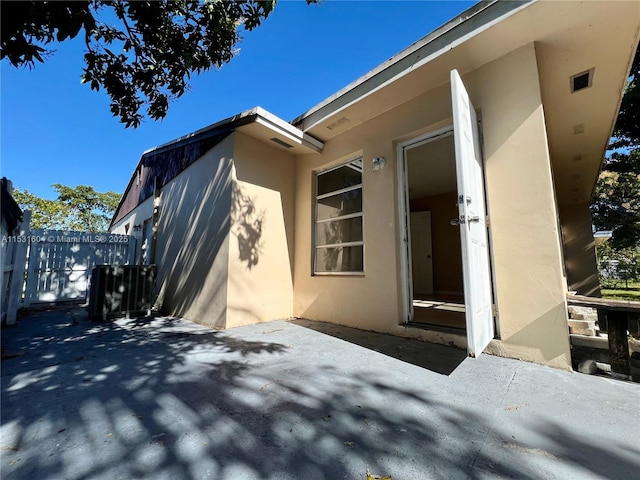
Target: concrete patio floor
<point>160,398</point>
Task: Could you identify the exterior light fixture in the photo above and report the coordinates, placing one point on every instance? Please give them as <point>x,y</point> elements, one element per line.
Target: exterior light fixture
<point>378,163</point>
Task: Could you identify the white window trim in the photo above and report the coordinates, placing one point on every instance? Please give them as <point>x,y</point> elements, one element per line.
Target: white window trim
<point>342,217</point>
<point>336,192</point>
<point>316,221</point>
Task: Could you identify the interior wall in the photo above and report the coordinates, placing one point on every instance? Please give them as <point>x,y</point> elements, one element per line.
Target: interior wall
<point>262,233</point>
<point>445,241</point>
<point>192,247</point>
<point>579,250</point>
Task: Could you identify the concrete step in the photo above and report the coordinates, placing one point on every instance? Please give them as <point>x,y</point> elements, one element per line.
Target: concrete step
<point>582,327</point>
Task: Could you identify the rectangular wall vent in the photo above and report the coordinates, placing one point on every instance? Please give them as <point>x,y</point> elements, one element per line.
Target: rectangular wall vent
<point>581,80</point>
<point>280,142</point>
<point>338,123</point>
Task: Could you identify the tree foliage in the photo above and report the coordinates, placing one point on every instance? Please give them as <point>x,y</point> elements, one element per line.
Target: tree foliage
<point>78,208</point>
<point>616,201</point>
<point>627,129</point>
<point>141,52</point>
<point>616,205</point>
<point>618,265</point>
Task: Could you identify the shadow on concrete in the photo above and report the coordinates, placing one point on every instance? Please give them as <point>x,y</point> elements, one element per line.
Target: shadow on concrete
<point>163,398</point>
<point>437,358</point>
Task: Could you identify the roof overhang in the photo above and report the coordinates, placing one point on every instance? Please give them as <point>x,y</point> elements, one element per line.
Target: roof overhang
<point>569,38</point>
<point>257,123</point>
<point>276,132</point>
<point>469,23</point>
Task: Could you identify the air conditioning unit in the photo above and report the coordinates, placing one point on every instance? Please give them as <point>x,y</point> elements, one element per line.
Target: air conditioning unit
<point>121,290</point>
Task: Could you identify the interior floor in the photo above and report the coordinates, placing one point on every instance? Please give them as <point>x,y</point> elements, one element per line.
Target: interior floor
<point>440,310</point>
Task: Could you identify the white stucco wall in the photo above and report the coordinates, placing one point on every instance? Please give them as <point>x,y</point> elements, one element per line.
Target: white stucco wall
<point>136,218</point>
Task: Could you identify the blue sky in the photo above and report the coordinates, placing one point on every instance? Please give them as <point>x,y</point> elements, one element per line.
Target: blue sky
<point>56,130</point>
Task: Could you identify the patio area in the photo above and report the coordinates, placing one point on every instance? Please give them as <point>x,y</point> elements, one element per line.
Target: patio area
<point>162,398</point>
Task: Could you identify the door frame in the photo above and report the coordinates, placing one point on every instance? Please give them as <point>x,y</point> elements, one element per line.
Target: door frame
<point>403,210</point>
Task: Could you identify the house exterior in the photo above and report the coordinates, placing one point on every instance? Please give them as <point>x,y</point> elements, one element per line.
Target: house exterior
<point>442,196</point>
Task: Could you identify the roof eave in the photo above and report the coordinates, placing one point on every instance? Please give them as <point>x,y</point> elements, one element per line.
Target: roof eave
<point>256,115</point>
<point>474,19</point>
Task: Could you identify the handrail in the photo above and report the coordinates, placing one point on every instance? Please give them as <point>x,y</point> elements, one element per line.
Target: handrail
<point>604,303</point>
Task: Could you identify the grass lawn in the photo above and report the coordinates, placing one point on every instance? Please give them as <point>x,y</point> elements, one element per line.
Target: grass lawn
<point>632,292</point>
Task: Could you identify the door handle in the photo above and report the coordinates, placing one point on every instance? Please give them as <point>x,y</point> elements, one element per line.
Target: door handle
<point>461,220</point>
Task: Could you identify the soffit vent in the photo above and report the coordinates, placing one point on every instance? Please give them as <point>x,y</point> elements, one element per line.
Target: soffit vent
<point>582,80</point>
<point>280,142</point>
<point>337,123</point>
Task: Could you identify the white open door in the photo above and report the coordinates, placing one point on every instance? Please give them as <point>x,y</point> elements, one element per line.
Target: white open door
<point>471,219</point>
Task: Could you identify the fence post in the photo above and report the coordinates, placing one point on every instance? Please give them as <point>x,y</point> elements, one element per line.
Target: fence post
<point>131,251</point>
<point>17,275</point>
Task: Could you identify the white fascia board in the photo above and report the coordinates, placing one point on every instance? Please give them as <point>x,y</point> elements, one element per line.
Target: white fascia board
<point>376,78</point>
<point>258,115</point>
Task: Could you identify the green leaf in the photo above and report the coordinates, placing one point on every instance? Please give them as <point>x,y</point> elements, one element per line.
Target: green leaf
<point>150,51</point>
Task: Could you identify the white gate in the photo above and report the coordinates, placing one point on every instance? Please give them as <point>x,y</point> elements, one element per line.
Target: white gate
<point>60,263</point>
<point>13,257</point>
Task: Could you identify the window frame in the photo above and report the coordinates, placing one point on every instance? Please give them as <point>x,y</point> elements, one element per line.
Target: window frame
<point>314,235</point>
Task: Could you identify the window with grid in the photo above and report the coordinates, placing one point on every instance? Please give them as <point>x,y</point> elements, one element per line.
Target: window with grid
<point>338,236</point>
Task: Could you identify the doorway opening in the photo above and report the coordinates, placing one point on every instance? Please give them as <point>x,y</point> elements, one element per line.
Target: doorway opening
<point>434,247</point>
<point>426,167</point>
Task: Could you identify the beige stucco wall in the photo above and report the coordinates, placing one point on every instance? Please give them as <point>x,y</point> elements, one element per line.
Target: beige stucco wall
<point>260,284</point>
<point>371,301</point>
<point>530,287</point>
<point>579,250</point>
<point>225,235</point>
<point>192,250</point>
<point>529,280</point>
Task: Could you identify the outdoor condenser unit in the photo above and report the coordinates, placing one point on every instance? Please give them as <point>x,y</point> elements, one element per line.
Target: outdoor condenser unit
<point>121,290</point>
